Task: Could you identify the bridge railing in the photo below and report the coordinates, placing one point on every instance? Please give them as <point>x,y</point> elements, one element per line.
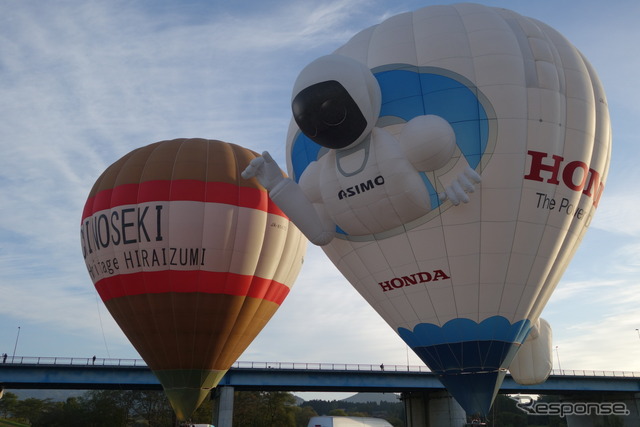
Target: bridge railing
<point>329,366</point>
<point>99,361</point>
<point>594,373</point>
<point>74,361</point>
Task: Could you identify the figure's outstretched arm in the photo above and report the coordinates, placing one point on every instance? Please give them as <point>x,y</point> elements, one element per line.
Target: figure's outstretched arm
<point>290,198</point>
<point>429,143</point>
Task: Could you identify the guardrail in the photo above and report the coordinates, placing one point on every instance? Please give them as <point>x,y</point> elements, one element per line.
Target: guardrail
<point>75,361</point>
<point>99,361</point>
<point>329,366</point>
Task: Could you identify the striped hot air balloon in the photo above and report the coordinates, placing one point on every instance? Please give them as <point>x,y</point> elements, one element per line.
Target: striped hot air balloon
<point>190,259</point>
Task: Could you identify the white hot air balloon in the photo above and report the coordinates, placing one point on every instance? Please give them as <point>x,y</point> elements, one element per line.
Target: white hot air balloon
<point>449,160</point>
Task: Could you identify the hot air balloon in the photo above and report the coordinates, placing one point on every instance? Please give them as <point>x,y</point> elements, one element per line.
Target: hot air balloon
<point>190,260</point>
<point>451,160</point>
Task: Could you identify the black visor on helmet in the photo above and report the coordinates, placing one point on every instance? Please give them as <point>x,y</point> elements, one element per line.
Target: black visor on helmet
<point>326,113</point>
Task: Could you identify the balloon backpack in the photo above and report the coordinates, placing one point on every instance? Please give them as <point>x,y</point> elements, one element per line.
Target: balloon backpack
<point>449,161</point>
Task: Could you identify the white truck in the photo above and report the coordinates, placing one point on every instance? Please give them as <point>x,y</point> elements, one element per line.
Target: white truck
<point>347,422</point>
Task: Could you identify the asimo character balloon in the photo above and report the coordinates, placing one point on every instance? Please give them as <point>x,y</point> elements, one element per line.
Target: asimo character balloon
<point>449,161</point>
<point>190,260</point>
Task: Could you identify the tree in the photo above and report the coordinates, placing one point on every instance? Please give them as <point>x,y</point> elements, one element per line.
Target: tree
<point>152,408</point>
<point>32,410</point>
<point>108,407</point>
<point>303,414</point>
<point>8,404</point>
<point>70,413</point>
<point>264,409</point>
<point>279,408</point>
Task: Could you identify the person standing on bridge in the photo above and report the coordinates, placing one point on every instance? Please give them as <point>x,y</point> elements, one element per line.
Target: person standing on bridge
<point>4,358</point>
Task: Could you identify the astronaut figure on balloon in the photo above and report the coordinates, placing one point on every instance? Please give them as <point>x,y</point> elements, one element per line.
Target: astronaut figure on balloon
<point>367,180</point>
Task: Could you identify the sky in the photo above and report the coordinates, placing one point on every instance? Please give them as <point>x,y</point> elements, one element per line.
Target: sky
<point>82,83</point>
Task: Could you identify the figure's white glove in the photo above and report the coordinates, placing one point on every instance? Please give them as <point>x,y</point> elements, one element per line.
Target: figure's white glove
<point>289,197</point>
<point>266,170</point>
<point>463,184</point>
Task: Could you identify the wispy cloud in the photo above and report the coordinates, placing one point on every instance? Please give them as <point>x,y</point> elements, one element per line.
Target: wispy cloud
<point>88,82</point>
<point>617,210</point>
<point>608,343</point>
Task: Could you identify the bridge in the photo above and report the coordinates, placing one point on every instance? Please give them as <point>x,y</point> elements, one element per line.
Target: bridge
<point>416,383</point>
<point>134,374</point>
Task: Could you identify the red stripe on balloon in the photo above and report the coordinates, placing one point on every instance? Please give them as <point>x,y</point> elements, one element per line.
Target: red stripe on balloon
<point>158,282</point>
<point>183,189</point>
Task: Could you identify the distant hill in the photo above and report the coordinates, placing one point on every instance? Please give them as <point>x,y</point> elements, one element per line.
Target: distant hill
<point>54,395</point>
<point>372,397</point>
<point>62,395</point>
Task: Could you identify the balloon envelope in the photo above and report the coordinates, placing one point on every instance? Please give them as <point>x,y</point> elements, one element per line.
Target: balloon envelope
<point>463,284</point>
<point>191,260</point>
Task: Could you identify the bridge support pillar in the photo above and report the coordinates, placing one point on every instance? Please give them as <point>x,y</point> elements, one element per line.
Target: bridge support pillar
<point>223,407</point>
<point>432,409</point>
<point>630,400</point>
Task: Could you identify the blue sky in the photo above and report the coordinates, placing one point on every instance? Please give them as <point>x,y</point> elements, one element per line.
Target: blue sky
<point>84,82</point>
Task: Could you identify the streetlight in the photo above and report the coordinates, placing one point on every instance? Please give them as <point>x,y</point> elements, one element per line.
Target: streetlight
<point>15,346</point>
<point>558,355</point>
<point>407,357</point>
<point>638,331</point>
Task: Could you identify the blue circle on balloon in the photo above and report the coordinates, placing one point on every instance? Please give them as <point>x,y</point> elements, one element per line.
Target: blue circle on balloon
<point>409,91</point>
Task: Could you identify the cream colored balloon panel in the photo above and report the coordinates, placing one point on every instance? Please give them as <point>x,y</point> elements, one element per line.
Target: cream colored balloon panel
<point>426,243</point>
<point>293,254</point>
<point>412,273</point>
<point>246,253</point>
<point>545,106</point>
<point>394,42</point>
<point>403,308</point>
<point>354,266</point>
<point>273,244</point>
<point>441,35</point>
<point>218,234</point>
<point>495,262</point>
<point>399,254</point>
<point>185,220</point>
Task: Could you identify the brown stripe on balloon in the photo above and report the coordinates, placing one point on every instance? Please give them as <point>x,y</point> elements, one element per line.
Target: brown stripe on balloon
<point>174,331</point>
<point>196,158</point>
